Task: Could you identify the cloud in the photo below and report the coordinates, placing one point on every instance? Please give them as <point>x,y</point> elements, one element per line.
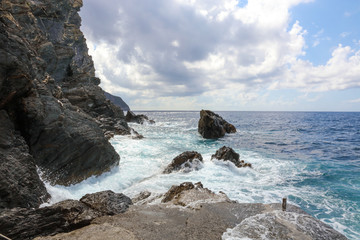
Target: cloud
<point>196,49</point>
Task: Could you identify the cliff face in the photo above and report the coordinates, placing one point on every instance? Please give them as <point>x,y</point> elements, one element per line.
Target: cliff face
<point>49,96</point>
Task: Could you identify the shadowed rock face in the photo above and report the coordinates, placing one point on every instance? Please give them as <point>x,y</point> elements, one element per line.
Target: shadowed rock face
<point>140,119</point>
<point>20,186</point>
<point>212,126</point>
<point>49,92</point>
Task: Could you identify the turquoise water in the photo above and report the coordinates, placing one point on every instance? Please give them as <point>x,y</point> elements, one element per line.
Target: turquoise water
<point>313,159</point>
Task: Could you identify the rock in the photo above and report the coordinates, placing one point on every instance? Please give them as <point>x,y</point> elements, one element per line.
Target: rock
<point>140,119</point>
<point>228,154</point>
<point>192,195</point>
<point>141,197</point>
<point>20,223</point>
<point>187,161</point>
<point>107,202</point>
<point>49,90</point>
<point>213,126</point>
<point>217,219</point>
<point>20,185</point>
<point>117,101</point>
<point>174,191</point>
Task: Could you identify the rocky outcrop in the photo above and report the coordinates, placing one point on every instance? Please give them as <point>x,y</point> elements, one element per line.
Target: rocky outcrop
<point>187,161</point>
<point>140,119</point>
<point>213,126</point>
<point>228,154</point>
<point>20,223</point>
<point>49,91</point>
<point>20,185</point>
<point>195,212</point>
<point>117,101</point>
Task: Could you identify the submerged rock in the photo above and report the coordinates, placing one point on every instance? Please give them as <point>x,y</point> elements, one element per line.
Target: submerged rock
<point>65,216</point>
<point>213,126</point>
<point>187,161</point>
<point>228,154</point>
<point>140,119</point>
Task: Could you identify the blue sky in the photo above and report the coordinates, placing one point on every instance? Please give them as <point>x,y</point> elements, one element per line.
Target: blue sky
<point>279,55</point>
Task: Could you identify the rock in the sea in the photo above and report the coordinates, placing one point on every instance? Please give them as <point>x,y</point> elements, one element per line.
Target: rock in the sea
<point>20,223</point>
<point>228,154</point>
<point>20,185</point>
<point>140,119</point>
<point>175,191</point>
<point>187,161</point>
<point>213,126</point>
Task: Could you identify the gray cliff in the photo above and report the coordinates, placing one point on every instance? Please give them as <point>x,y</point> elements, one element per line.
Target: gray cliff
<point>53,113</point>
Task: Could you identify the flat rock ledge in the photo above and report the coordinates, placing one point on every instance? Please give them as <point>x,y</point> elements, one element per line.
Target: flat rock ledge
<point>187,161</point>
<point>228,154</point>
<point>197,213</point>
<point>213,126</point>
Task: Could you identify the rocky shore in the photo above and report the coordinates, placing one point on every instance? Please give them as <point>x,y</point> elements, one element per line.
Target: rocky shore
<point>56,121</point>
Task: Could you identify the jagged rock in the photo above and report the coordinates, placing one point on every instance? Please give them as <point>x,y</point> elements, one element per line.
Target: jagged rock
<point>140,119</point>
<point>174,191</point>
<point>117,101</point>
<point>20,223</point>
<point>186,161</point>
<point>141,197</point>
<point>49,90</point>
<point>228,154</point>
<point>20,185</point>
<point>107,202</point>
<point>213,126</point>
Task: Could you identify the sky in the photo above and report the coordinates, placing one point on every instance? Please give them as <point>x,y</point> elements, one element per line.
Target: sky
<point>230,55</point>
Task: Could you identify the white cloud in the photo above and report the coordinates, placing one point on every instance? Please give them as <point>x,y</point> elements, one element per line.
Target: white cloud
<point>184,51</point>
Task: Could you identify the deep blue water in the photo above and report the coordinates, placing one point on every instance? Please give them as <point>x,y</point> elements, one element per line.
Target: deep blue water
<point>312,158</point>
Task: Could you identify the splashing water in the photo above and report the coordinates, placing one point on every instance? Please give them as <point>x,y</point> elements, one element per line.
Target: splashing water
<point>313,159</point>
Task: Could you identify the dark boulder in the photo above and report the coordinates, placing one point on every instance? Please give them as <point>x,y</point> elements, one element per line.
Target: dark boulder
<point>140,119</point>
<point>228,154</point>
<point>213,126</point>
<point>187,161</point>
<point>107,202</point>
<point>68,215</point>
<point>20,185</point>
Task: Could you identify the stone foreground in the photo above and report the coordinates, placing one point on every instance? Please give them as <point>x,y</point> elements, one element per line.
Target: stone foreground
<point>197,213</point>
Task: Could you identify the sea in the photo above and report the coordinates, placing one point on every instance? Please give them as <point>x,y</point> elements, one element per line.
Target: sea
<point>311,158</point>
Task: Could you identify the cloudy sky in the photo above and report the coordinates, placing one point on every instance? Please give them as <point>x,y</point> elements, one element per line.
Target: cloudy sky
<point>300,55</point>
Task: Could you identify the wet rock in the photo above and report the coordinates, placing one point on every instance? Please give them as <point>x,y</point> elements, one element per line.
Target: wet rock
<point>140,119</point>
<point>107,202</point>
<point>213,126</point>
<point>20,185</point>
<point>19,223</point>
<point>228,154</point>
<point>187,161</point>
